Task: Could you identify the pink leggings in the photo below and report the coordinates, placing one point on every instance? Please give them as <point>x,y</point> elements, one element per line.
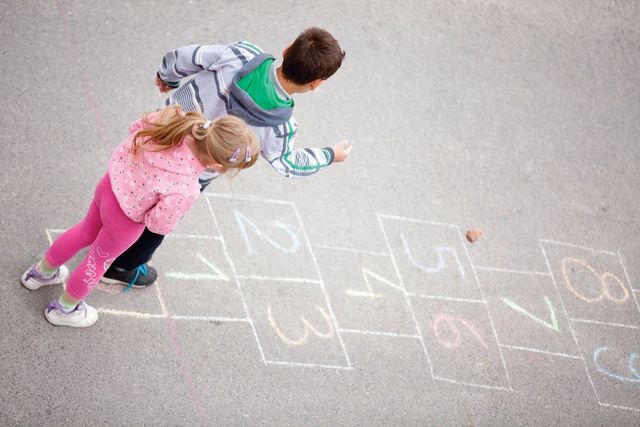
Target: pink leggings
<point>108,232</point>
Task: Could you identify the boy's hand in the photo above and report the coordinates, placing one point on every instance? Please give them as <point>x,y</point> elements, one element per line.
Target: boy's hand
<point>162,86</point>
<point>341,150</point>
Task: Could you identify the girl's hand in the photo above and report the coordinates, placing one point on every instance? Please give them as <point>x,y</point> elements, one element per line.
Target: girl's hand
<point>341,150</point>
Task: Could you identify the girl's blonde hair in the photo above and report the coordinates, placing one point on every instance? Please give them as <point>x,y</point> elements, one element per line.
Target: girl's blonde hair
<point>227,140</point>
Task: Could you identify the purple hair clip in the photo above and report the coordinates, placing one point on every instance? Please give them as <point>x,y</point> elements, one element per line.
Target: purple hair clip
<point>234,157</point>
<point>247,155</point>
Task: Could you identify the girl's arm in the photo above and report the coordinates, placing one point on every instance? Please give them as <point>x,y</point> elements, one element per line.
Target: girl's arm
<point>164,216</point>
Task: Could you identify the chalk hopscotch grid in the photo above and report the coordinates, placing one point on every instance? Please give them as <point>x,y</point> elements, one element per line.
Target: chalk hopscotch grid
<point>404,288</point>
<point>140,315</point>
<point>573,334</point>
<point>411,310</point>
<point>319,282</point>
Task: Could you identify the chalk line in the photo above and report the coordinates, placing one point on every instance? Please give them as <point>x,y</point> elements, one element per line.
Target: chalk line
<point>308,365</point>
<point>535,350</point>
<point>247,197</point>
<point>620,407</point>
<point>495,333</point>
<point>418,221</point>
<point>384,334</point>
<point>628,280</point>
<point>210,318</point>
<point>406,297</point>
<point>438,297</point>
<point>244,302</point>
<point>571,245</point>
<point>507,270</point>
<point>135,314</point>
<point>490,387</point>
<point>322,285</point>
<point>359,251</point>
<point>193,236</point>
<point>235,275</point>
<point>277,279</point>
<point>598,322</point>
<point>566,313</point>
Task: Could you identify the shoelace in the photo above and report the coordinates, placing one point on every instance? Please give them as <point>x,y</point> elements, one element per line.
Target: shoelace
<point>141,269</point>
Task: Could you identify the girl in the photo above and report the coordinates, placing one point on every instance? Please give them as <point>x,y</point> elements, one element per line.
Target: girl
<point>152,181</point>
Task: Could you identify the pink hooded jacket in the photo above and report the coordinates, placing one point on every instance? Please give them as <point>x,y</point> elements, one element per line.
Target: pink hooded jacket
<point>157,187</point>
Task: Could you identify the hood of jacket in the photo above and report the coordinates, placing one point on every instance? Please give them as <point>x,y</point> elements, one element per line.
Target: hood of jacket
<point>243,106</point>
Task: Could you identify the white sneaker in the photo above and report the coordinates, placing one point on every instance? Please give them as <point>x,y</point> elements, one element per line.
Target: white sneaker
<point>32,279</point>
<point>82,316</point>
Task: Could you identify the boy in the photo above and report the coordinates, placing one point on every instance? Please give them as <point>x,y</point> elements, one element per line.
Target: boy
<point>241,80</point>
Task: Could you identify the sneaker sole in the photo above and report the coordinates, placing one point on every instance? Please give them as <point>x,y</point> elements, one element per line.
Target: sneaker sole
<point>108,281</point>
<point>57,322</point>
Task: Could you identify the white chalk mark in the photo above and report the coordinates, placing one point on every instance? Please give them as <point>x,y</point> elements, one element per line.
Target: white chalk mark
<point>359,251</point>
<point>149,316</point>
<point>353,293</point>
<point>440,250</point>
<point>507,270</point>
<point>555,242</point>
<point>620,407</point>
<point>366,273</point>
<point>535,350</point>
<point>277,279</point>
<point>598,322</point>
<point>624,269</point>
<point>438,297</point>
<point>553,325</point>
<point>493,327</point>
<point>211,319</point>
<point>566,313</point>
<point>135,314</point>
<point>307,327</point>
<point>490,387</point>
<point>217,273</point>
<point>308,365</point>
<point>250,198</point>
<point>383,334</point>
<point>235,275</point>
<point>243,220</point>
<point>417,221</point>
<point>407,300</point>
<point>322,285</point>
<point>193,236</point>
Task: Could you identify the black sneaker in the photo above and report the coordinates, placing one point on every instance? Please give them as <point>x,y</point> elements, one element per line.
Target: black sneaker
<point>140,277</point>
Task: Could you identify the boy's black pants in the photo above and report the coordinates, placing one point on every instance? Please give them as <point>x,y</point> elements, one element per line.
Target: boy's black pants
<point>140,252</point>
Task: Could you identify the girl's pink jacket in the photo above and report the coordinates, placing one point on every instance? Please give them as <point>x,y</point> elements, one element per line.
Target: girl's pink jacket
<point>156,187</point>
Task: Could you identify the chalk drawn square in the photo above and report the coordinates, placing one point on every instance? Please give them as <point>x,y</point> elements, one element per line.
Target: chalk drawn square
<point>430,258</point>
<point>592,283</point>
<point>112,296</point>
<point>364,291</point>
<point>199,220</point>
<point>264,238</point>
<point>612,357</point>
<point>527,311</point>
<point>196,278</point>
<point>293,323</point>
<point>460,342</point>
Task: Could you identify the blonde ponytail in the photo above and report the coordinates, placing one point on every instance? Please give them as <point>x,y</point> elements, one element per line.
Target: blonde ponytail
<point>227,141</point>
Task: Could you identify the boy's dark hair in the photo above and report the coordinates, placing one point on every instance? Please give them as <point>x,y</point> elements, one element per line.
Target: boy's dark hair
<point>314,54</point>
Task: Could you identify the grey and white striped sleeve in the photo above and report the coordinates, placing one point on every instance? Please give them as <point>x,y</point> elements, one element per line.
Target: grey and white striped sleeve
<point>187,60</point>
<point>278,149</point>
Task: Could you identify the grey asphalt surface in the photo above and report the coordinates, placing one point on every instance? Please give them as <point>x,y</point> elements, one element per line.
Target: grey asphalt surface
<point>351,297</point>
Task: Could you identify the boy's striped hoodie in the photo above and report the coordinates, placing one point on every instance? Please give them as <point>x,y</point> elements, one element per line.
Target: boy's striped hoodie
<point>239,79</point>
